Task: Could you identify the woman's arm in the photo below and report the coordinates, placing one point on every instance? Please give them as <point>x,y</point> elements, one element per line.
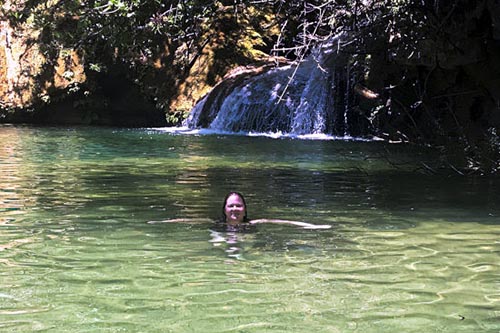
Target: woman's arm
<point>295,223</point>
<point>183,220</point>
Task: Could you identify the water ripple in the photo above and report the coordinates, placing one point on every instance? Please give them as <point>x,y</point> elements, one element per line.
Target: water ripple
<point>406,253</point>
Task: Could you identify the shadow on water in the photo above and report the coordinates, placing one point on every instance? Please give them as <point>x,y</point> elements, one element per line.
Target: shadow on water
<point>389,224</point>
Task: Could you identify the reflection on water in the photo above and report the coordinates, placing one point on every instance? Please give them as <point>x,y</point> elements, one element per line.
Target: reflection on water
<point>408,252</point>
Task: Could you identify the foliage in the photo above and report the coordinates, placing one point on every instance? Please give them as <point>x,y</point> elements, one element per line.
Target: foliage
<point>137,31</point>
<point>130,31</point>
<point>420,58</point>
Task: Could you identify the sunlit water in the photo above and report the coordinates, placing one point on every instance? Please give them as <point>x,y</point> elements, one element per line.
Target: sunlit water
<point>408,251</point>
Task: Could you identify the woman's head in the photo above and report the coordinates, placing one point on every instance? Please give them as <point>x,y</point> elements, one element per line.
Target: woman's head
<point>234,209</point>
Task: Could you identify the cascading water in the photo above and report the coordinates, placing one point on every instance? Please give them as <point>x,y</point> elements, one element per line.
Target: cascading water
<point>308,99</point>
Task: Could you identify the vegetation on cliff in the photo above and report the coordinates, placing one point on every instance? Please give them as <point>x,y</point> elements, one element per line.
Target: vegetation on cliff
<point>424,71</point>
<point>166,54</point>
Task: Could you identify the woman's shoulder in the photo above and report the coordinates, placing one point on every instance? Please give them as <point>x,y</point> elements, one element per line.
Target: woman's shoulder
<point>183,220</point>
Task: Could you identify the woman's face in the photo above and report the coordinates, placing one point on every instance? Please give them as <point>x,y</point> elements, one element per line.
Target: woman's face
<point>234,209</point>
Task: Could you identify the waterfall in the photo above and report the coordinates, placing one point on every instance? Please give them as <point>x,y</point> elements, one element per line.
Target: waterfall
<point>309,99</point>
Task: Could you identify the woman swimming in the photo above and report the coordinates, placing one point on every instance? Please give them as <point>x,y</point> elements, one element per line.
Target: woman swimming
<point>234,212</point>
<point>234,215</point>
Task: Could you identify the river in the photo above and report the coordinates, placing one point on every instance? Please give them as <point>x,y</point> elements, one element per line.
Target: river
<point>408,251</point>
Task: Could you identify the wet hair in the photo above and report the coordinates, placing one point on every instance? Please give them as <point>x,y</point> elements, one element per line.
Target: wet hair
<point>223,218</point>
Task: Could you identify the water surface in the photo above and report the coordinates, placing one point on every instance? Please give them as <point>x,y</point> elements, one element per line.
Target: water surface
<point>407,252</point>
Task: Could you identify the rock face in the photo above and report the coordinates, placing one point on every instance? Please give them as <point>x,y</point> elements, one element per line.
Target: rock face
<point>38,86</point>
<point>27,76</point>
<point>53,89</point>
<point>45,86</point>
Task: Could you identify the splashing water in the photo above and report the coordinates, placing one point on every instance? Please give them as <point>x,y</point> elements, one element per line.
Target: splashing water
<point>297,99</point>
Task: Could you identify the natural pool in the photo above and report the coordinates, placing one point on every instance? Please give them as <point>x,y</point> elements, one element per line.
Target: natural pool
<point>408,252</point>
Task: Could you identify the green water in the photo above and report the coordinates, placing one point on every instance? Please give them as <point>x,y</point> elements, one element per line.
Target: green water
<point>408,252</point>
